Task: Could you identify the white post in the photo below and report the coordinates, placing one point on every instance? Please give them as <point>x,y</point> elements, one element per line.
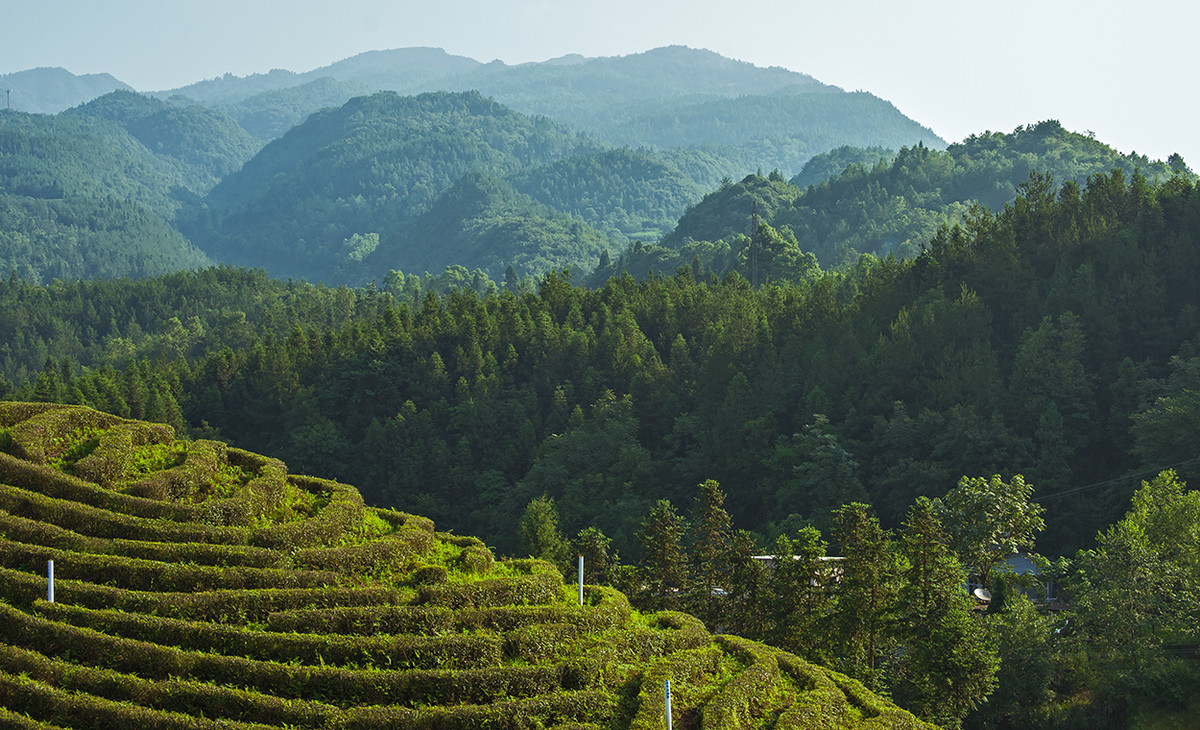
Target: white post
<point>50,581</point>
<point>667,694</point>
<point>580,580</point>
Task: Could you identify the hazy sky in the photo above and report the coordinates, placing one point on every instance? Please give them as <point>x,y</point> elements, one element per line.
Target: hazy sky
<point>1118,69</point>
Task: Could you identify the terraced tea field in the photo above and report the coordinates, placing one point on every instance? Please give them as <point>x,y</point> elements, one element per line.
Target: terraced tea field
<point>197,585</point>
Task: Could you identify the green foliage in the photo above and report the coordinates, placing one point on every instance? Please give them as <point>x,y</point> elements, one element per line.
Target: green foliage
<point>540,532</point>
<point>664,562</point>
<point>387,623</point>
<point>988,520</point>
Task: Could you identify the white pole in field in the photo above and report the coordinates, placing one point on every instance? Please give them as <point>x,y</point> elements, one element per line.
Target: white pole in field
<point>50,581</point>
<point>580,580</point>
<point>667,694</point>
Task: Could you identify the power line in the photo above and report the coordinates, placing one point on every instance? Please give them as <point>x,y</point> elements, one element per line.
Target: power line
<point>1115,480</point>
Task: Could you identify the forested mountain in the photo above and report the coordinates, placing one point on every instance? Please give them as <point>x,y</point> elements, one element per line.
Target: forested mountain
<point>82,198</point>
<point>486,222</point>
<point>51,90</point>
<point>270,114</point>
<point>401,70</point>
<point>628,194</point>
<point>653,131</point>
<point>206,145</point>
<point>666,97</point>
<point>371,167</point>
<point>856,201</point>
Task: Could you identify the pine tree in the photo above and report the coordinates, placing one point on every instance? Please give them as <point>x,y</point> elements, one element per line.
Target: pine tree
<point>711,528</point>
<point>664,563</point>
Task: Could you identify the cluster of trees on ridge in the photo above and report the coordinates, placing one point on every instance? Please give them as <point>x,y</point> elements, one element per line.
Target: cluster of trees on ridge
<point>1056,339</point>
<point>1116,648</point>
<point>851,201</point>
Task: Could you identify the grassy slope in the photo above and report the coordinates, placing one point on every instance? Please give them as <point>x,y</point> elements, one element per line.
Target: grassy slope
<point>200,585</point>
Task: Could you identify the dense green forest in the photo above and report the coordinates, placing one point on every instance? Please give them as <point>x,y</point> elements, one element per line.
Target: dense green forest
<point>84,199</point>
<point>851,201</point>
<point>1056,340</point>
<point>1037,341</point>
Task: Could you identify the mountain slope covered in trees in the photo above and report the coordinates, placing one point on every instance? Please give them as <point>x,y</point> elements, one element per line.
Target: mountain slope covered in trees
<point>84,199</point>
<point>855,201</point>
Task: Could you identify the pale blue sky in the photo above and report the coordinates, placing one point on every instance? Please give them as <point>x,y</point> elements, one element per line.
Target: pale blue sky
<point>1118,69</point>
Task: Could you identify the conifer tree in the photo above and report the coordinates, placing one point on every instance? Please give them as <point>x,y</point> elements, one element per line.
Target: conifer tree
<point>664,563</point>
<point>710,527</point>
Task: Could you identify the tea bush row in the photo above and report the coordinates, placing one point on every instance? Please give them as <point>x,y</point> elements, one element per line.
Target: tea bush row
<point>755,692</point>
<point>338,685</point>
<point>172,695</point>
<point>50,482</point>
<point>155,576</point>
<point>508,591</point>
<point>398,651</point>
<point>47,434</point>
<point>101,522</point>
<point>607,609</point>
<point>114,459</point>
<point>585,708</point>
<point>34,532</point>
<point>20,588</point>
<point>691,673</point>
<point>51,705</point>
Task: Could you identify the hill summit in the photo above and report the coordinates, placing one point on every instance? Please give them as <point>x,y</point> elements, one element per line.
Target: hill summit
<point>199,585</point>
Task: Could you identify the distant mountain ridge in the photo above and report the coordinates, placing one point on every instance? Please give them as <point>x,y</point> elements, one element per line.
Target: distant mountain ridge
<point>52,90</point>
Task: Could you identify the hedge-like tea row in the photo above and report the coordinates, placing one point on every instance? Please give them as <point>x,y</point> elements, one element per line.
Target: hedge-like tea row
<point>50,482</point>
<point>50,433</point>
<point>392,550</point>
<point>104,523</point>
<point>113,458</point>
<point>33,532</point>
<point>691,674</point>
<point>343,686</point>
<point>413,688</point>
<point>51,705</point>
<point>20,588</point>
<point>152,575</point>
<point>203,461</point>
<point>402,651</point>
<point>606,609</point>
<point>20,721</point>
<point>561,709</point>
<point>343,513</point>
<point>171,695</point>
<point>13,412</point>
<point>756,692</point>
<point>515,591</point>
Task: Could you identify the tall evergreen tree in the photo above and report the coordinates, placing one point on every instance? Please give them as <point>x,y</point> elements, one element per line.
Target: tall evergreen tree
<point>664,562</point>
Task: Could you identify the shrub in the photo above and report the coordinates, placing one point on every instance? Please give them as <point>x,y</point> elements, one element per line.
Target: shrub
<point>52,483</point>
<point>104,523</point>
<point>524,590</point>
<point>151,575</point>
<point>33,532</point>
<point>405,651</point>
<point>115,458</point>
